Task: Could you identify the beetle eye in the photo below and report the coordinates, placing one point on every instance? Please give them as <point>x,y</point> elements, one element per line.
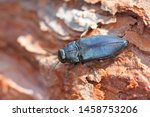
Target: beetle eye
<point>62,56</point>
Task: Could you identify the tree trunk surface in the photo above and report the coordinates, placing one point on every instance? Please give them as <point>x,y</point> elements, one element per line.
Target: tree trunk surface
<point>32,31</point>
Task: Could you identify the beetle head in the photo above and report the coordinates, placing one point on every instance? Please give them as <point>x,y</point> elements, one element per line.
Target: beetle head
<point>62,56</point>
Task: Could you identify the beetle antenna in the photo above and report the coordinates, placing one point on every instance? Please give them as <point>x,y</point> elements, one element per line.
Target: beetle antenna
<point>57,62</point>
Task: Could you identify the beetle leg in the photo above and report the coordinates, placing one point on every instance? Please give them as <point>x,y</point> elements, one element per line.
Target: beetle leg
<point>82,63</point>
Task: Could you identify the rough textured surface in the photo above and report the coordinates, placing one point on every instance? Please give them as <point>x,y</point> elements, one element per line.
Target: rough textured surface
<point>138,7</point>
<point>31,32</point>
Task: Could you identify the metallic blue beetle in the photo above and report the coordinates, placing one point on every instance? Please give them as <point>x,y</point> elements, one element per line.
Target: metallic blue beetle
<point>91,48</point>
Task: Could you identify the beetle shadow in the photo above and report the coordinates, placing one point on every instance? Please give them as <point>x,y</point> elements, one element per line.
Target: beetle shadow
<point>88,68</point>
